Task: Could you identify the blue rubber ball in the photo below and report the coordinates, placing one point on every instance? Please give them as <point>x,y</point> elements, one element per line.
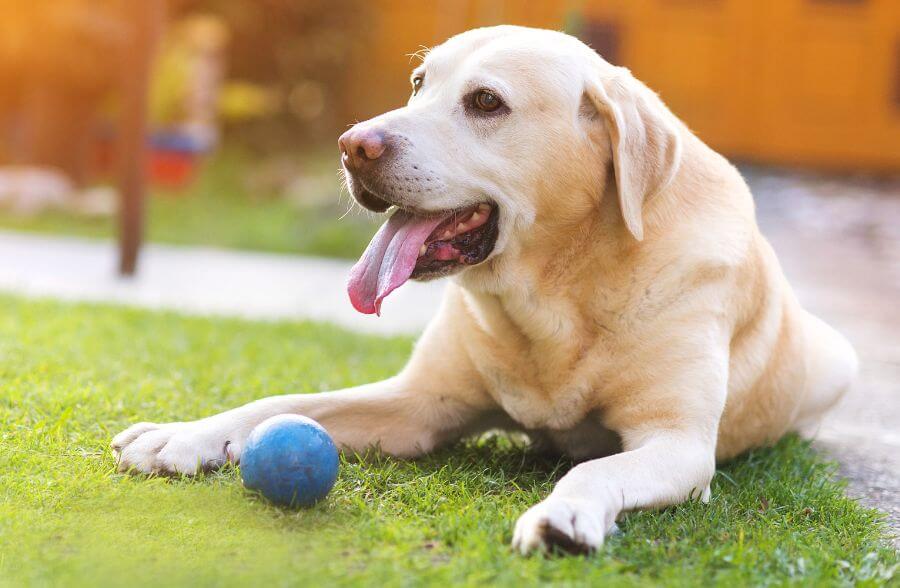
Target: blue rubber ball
<point>291,460</point>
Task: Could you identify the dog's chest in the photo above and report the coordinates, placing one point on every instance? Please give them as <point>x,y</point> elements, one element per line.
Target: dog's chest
<point>538,362</point>
<point>538,395</point>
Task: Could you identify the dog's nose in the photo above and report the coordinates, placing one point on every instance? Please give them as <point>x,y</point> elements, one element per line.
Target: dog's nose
<point>361,145</point>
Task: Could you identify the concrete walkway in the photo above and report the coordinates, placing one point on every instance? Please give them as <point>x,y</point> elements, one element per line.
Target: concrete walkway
<point>839,243</point>
<point>201,280</point>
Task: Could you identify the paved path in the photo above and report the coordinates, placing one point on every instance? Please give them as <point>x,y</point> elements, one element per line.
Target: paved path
<point>205,281</point>
<point>839,242</point>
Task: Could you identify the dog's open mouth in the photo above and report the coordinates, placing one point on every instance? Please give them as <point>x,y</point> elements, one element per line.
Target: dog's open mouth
<point>411,245</point>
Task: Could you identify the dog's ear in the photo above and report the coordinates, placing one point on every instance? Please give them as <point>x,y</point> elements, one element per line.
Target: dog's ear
<point>646,146</point>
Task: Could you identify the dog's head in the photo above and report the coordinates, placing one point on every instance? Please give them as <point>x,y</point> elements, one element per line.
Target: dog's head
<point>509,132</point>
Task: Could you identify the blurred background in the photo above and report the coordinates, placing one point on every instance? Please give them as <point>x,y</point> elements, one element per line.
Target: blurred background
<point>243,100</point>
<point>213,123</point>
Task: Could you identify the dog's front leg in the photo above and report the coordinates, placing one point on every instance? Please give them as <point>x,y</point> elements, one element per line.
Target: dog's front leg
<point>397,416</point>
<point>430,402</point>
<point>667,468</point>
<point>668,429</point>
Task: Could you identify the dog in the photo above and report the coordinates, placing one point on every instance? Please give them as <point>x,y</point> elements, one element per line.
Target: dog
<point>611,294</point>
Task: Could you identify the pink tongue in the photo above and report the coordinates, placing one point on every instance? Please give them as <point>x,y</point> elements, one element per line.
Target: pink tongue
<point>389,260</point>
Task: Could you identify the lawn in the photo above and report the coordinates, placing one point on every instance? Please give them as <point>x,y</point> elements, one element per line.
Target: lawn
<point>73,375</point>
<point>280,204</point>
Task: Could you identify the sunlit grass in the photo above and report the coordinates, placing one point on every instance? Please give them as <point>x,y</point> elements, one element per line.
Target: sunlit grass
<point>225,207</point>
<point>73,375</point>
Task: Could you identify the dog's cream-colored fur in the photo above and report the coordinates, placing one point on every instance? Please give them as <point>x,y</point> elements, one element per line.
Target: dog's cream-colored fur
<point>631,314</point>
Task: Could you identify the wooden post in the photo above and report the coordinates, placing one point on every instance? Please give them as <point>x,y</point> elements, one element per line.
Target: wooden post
<point>145,26</point>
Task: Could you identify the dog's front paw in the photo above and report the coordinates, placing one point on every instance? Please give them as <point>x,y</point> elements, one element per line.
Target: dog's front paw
<point>571,525</point>
<point>174,448</point>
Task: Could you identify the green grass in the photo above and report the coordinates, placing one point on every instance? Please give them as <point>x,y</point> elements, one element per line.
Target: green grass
<point>73,375</point>
<point>239,201</point>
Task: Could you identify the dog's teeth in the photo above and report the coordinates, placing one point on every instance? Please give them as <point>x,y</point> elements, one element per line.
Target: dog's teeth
<point>460,228</point>
<point>422,250</point>
<point>447,234</point>
<point>484,208</point>
<point>475,217</point>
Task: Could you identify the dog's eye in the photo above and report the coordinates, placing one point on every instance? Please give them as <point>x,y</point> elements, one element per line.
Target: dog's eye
<point>417,82</point>
<point>486,101</point>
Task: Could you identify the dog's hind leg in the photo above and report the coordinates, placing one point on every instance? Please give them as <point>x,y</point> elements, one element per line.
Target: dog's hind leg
<point>831,368</point>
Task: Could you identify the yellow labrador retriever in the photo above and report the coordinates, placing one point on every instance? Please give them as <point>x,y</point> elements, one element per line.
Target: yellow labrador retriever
<point>611,292</point>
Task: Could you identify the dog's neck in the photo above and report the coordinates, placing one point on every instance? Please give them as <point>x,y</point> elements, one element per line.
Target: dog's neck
<point>537,286</point>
